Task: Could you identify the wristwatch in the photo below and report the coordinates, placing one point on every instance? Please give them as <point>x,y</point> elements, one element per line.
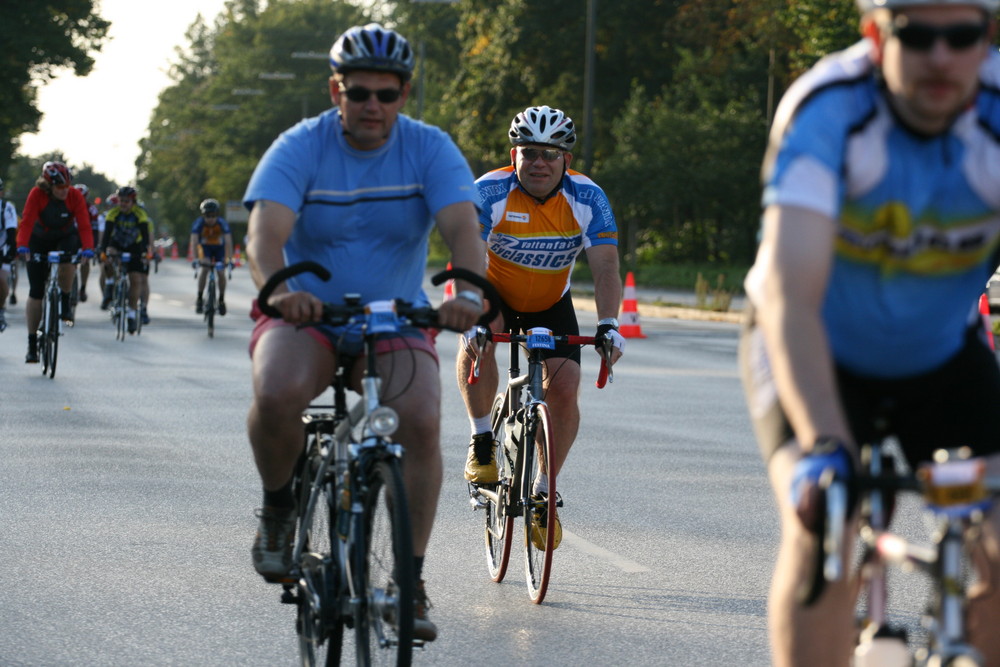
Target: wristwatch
<point>609,321</point>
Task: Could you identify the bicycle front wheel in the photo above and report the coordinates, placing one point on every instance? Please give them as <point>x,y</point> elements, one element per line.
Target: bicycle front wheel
<point>50,336</point>
<point>210,307</point>
<point>318,624</point>
<point>383,620</point>
<point>539,509</point>
<point>499,523</point>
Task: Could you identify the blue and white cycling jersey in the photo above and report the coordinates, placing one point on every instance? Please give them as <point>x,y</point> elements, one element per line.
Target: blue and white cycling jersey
<point>918,216</point>
<point>364,215</point>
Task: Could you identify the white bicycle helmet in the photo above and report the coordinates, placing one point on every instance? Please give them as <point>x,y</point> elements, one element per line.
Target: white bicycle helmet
<point>543,125</point>
<point>84,190</point>
<point>372,47</point>
<point>990,6</point>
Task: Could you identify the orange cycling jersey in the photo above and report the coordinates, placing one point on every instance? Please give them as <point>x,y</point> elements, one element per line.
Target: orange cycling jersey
<point>531,245</point>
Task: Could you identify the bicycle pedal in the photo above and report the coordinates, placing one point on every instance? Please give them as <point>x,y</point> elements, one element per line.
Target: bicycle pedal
<point>288,595</point>
<point>478,502</point>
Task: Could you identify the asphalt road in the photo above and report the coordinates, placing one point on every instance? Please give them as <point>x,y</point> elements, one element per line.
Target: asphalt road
<point>127,493</point>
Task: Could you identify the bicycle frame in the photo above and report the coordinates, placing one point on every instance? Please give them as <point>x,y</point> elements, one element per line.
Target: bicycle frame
<point>958,494</point>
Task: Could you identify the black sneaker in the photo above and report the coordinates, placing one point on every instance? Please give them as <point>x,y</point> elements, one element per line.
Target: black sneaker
<point>272,546</point>
<point>222,308</point>
<point>423,628</point>
<point>32,356</point>
<point>83,295</point>
<point>200,306</point>
<point>131,324</point>
<point>145,316</point>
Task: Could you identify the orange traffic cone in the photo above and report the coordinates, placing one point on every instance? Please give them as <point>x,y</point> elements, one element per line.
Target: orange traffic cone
<point>237,256</point>
<point>173,251</point>
<point>984,310</point>
<point>629,319</point>
<point>449,287</point>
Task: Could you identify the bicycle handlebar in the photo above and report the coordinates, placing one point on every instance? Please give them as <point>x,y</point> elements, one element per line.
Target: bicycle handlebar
<point>339,315</point>
<point>604,375</point>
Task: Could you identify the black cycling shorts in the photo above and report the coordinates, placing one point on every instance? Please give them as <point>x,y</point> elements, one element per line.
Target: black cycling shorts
<point>951,406</point>
<point>38,272</point>
<point>560,318</point>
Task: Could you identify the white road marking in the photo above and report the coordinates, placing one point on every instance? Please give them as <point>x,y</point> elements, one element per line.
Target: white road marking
<point>622,563</point>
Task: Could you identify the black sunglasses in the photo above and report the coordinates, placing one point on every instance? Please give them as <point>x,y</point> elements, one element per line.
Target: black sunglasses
<point>361,94</point>
<point>922,37</point>
<point>549,154</point>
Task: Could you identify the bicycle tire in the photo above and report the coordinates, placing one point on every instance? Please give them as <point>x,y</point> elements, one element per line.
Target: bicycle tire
<point>318,623</point>
<point>210,306</point>
<point>383,572</point>
<point>13,282</point>
<point>43,331</point>
<point>499,522</point>
<point>538,562</point>
<point>52,332</point>
<point>122,289</point>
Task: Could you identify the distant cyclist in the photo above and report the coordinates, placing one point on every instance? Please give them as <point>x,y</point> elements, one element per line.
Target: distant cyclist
<point>536,216</point>
<point>128,229</point>
<point>95,221</point>
<point>55,218</point>
<point>211,235</point>
<point>8,249</point>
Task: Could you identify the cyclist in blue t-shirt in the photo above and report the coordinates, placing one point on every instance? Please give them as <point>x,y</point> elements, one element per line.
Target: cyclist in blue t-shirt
<point>211,235</point>
<point>881,227</point>
<point>357,189</point>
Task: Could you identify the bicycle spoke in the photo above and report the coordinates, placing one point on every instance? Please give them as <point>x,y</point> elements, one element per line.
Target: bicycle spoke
<point>538,548</point>
<point>319,625</point>
<point>499,524</point>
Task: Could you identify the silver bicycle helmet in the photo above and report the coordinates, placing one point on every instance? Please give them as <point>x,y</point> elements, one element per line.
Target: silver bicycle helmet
<point>209,206</point>
<point>864,6</point>
<point>543,125</point>
<point>372,47</point>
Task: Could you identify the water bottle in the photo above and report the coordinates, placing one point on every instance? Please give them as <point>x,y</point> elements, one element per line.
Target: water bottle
<point>882,651</point>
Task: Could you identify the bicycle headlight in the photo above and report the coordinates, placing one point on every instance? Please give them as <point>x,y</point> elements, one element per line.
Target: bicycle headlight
<point>383,421</point>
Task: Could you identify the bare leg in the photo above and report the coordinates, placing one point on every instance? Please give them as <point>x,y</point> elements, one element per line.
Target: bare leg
<point>562,389</point>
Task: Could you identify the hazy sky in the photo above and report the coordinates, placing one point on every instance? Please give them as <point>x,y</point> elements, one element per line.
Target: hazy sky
<point>100,119</point>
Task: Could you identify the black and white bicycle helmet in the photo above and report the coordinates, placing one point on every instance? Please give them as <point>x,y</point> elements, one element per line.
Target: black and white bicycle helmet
<point>990,6</point>
<point>372,47</point>
<point>209,206</point>
<point>543,125</point>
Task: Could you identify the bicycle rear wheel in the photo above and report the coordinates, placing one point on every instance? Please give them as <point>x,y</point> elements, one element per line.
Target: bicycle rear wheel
<point>13,282</point>
<point>319,625</point>
<point>210,306</point>
<point>385,578</point>
<point>499,523</point>
<point>120,308</point>
<point>538,548</point>
<point>52,332</point>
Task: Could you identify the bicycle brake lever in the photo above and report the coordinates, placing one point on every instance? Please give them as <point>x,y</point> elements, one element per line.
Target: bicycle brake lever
<point>482,337</point>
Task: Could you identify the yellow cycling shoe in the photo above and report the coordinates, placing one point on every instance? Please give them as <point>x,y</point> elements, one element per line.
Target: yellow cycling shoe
<point>481,466</point>
<point>538,528</point>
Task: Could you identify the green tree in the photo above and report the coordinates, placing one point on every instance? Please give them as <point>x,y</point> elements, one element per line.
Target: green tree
<point>38,39</point>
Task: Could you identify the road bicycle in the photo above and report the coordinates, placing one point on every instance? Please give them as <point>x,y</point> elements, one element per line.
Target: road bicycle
<point>956,494</point>
<point>352,560</point>
<point>211,304</point>
<point>12,281</point>
<point>50,326</point>
<point>523,428</point>
<point>120,290</point>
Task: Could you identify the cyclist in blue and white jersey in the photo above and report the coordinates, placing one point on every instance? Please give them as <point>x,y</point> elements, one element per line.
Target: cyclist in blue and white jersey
<point>357,189</point>
<point>881,227</point>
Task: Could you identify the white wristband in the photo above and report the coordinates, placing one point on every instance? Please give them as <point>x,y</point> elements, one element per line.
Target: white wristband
<point>469,295</point>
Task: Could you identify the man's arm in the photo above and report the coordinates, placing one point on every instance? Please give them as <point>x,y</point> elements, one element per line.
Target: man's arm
<point>270,227</point>
<point>794,263</point>
<point>603,261</point>
<point>459,227</point>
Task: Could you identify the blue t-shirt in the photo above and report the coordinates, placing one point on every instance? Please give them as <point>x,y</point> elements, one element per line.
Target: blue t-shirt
<point>918,217</point>
<point>364,215</point>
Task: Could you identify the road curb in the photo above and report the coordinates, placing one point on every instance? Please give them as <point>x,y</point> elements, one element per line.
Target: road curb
<point>668,312</point>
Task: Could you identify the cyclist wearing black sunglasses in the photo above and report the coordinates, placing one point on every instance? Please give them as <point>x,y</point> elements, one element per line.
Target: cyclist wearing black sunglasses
<point>537,216</point>
<point>881,227</point>
<point>357,189</point>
